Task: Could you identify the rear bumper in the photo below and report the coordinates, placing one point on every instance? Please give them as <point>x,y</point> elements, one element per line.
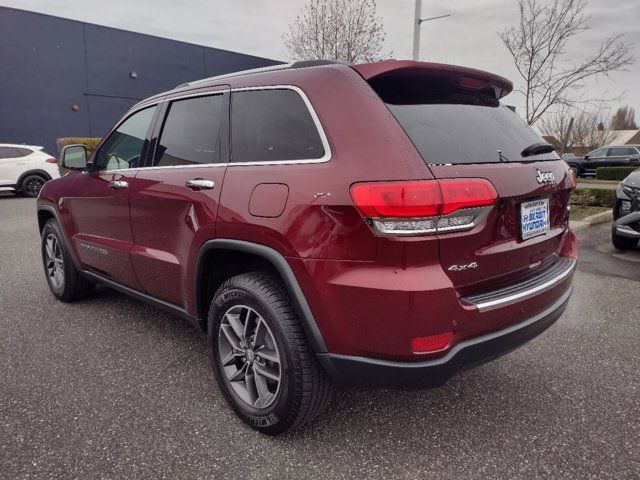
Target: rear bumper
<point>432,373</point>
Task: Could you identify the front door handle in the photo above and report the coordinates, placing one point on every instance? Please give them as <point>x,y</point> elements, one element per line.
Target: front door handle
<point>199,184</point>
<point>118,184</point>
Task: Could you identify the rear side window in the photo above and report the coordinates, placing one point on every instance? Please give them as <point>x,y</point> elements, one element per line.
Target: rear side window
<point>195,132</point>
<point>272,125</point>
<point>14,152</point>
<point>620,151</point>
<point>453,124</point>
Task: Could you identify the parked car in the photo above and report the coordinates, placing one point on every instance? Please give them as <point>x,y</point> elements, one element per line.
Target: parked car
<point>24,168</point>
<point>625,231</point>
<point>387,224</point>
<point>607,156</point>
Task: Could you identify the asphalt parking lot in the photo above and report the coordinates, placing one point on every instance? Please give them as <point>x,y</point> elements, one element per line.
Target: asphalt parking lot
<point>112,388</point>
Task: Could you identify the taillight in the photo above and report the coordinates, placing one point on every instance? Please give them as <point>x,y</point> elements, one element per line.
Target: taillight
<point>397,199</point>
<point>572,179</point>
<point>464,193</point>
<point>426,206</point>
<point>51,160</point>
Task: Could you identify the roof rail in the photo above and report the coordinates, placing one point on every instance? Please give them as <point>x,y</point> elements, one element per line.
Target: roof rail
<point>281,66</point>
<point>316,63</point>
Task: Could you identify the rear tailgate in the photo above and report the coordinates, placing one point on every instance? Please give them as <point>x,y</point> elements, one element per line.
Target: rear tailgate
<point>455,120</point>
<point>497,249</point>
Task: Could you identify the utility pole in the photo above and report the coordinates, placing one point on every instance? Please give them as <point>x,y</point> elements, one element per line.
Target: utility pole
<point>565,140</point>
<point>417,21</point>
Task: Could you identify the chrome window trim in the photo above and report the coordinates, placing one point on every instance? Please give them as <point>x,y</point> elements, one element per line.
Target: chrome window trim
<point>314,116</point>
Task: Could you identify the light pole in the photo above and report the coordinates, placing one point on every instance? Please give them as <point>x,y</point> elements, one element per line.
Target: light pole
<point>417,21</point>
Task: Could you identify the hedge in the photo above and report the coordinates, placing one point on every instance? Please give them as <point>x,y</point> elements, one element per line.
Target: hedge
<point>90,142</point>
<point>613,173</point>
<point>593,197</point>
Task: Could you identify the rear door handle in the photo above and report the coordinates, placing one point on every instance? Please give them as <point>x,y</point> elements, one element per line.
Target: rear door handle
<point>199,184</point>
<point>118,184</point>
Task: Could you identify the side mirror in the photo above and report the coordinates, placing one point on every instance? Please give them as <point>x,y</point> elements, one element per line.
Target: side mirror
<point>586,157</point>
<point>74,157</point>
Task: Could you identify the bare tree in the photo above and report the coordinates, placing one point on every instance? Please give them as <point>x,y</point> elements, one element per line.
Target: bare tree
<point>539,45</point>
<point>624,119</point>
<point>345,30</point>
<point>589,130</point>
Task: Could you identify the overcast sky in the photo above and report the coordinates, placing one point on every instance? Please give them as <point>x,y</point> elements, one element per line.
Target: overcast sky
<point>468,37</point>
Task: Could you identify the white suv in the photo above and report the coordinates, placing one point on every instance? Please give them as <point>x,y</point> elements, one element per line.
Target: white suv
<point>25,168</point>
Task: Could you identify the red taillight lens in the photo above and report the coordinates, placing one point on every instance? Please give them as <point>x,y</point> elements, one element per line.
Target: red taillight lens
<point>425,198</point>
<point>397,199</point>
<point>466,193</point>
<point>572,179</point>
<point>51,160</point>
<point>432,343</point>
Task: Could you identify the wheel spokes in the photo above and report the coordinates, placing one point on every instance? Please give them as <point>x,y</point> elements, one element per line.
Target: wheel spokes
<point>265,371</point>
<point>232,338</point>
<point>236,325</point>
<point>249,356</point>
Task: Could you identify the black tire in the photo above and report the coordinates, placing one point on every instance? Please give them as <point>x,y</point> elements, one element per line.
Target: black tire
<point>31,185</point>
<point>622,243</point>
<point>577,169</point>
<point>73,285</point>
<point>304,390</point>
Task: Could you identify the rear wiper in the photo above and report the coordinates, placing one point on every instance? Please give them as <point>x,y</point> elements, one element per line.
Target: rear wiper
<point>537,149</point>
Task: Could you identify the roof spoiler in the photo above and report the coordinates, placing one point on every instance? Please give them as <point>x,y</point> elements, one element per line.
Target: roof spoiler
<point>468,78</point>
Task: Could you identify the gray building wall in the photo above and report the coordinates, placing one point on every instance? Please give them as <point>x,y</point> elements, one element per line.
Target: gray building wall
<point>48,64</point>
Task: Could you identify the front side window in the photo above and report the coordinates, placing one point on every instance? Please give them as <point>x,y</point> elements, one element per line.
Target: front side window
<point>195,132</point>
<point>125,146</point>
<point>598,152</point>
<point>272,125</point>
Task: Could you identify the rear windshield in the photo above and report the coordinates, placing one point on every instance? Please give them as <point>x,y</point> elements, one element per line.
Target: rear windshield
<point>452,119</point>
<point>458,133</point>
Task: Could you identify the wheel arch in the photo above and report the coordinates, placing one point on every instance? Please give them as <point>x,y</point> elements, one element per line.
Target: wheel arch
<point>38,172</point>
<point>254,256</point>
<point>46,213</point>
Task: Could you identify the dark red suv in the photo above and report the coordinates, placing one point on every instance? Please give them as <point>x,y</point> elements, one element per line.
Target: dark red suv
<point>386,224</point>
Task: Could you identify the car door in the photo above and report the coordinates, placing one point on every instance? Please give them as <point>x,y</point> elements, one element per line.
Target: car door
<point>9,168</point>
<point>595,159</point>
<point>174,200</point>
<point>618,156</point>
<point>99,200</point>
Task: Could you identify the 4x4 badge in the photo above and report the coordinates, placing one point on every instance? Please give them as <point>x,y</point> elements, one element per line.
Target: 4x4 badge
<point>460,268</point>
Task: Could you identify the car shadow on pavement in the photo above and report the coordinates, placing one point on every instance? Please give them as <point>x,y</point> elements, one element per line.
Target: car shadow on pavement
<point>473,400</point>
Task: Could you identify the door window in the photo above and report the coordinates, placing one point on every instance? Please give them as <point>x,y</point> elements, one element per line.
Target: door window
<point>9,152</point>
<point>599,152</point>
<point>125,146</point>
<point>619,152</point>
<point>195,131</point>
<point>272,125</point>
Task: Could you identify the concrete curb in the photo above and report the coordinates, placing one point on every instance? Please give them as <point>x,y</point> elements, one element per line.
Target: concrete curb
<point>577,225</point>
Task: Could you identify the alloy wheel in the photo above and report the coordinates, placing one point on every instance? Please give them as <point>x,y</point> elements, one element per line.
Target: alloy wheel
<point>54,261</point>
<point>249,356</point>
<point>33,186</point>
